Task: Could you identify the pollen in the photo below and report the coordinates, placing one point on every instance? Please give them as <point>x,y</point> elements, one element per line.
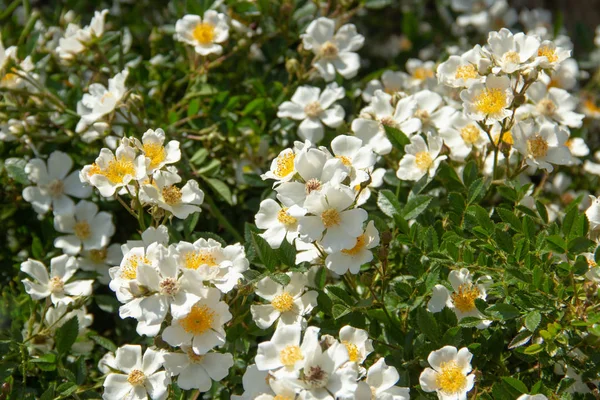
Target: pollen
<point>117,170</point>
<point>466,72</point>
<point>290,355</point>
<point>423,115</point>
<point>312,184</point>
<point>546,107</point>
<point>464,298</point>
<point>169,286</point>
<point>548,52</point>
<point>129,271</point>
<point>537,147</point>
<point>470,134</point>
<point>345,160</point>
<point>8,79</point>
<point>389,121</point>
<point>591,263</point>
<point>95,170</point>
<point>56,285</point>
<point>136,377</point>
<point>285,218</point>
<point>331,217</point>
<point>506,138</point>
<point>353,352</point>
<point>82,230</point>
<point>511,57</point>
<point>56,188</point>
<point>328,50</point>
<point>282,397</point>
<point>171,195</point>
<point>195,259</point>
<point>98,255</point>
<point>490,101</point>
<point>156,153</point>
<point>423,160</point>
<point>204,33</point>
<point>451,379</point>
<point>199,320</point>
<point>283,302</point>
<point>313,110</point>
<point>361,242</point>
<point>421,73</point>
<point>285,164</point>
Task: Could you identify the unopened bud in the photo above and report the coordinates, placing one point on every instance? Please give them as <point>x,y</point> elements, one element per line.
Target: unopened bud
<point>292,66</point>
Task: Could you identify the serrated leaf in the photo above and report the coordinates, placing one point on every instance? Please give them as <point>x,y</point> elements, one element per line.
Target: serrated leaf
<point>397,137</point>
<point>287,254</point>
<point>415,206</point>
<point>220,188</point>
<point>388,203</point>
<point>532,320</point>
<point>533,349</point>
<point>521,339</point>
<point>477,190</point>
<point>66,335</point>
<point>510,218</point>
<point>506,311</point>
<point>265,253</point>
<point>339,294</point>
<point>104,342</point>
<point>281,278</point>
<point>339,310</point>
<point>15,168</point>
<point>515,383</point>
<point>199,156</point>
<point>427,324</point>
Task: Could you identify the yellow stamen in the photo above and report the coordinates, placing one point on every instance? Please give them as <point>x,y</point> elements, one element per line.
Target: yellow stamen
<point>451,379</point>
<point>470,134</point>
<point>56,285</point>
<point>423,160</point>
<point>116,170</point>
<point>464,298</point>
<point>290,355</point>
<point>361,242</point>
<point>331,217</point>
<point>136,378</point>
<point>198,321</point>
<point>548,52</point>
<point>506,138</point>
<point>313,109</point>
<point>156,153</point>
<point>129,270</point>
<point>328,50</point>
<point>345,160</point>
<point>285,164</point>
<point>353,352</point>
<point>490,101</point>
<point>537,147</point>
<point>466,72</point>
<point>285,218</point>
<point>171,195</point>
<point>98,256</point>
<point>195,259</point>
<point>283,302</point>
<point>422,73</point>
<point>204,33</point>
<point>82,230</point>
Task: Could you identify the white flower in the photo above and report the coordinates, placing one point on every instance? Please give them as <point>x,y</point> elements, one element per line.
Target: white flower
<point>331,213</point>
<point>551,105</point>
<point>462,299</point>
<point>351,258</point>
<point>335,51</point>
<point>197,371</point>
<point>282,167</point>
<point>163,192</point>
<point>380,382</point>
<point>204,34</point>
<point>353,154</point>
<point>140,377</point>
<point>288,303</point>
<point>283,350</point>
<point>62,269</point>
<point>489,101</point>
<point>511,52</point>
<point>277,221</point>
<point>550,56</point>
<point>54,184</point>
<point>421,72</point>
<point>149,236</point>
<point>58,315</point>
<point>87,228</point>
<point>461,135</point>
<point>100,260</point>
<point>420,159</point>
<point>113,171</point>
<point>76,39</point>
<point>357,343</point>
<point>450,376</point>
<point>464,70</point>
<point>593,272</point>
<point>254,383</point>
<point>124,280</point>
<point>391,82</point>
<point>202,328</point>
<point>314,109</point>
<point>152,145</point>
<point>430,111</point>
<point>542,145</point>
<point>532,397</point>
<point>593,213</point>
<point>100,101</point>
<point>107,362</point>
<point>209,261</point>
<point>400,117</point>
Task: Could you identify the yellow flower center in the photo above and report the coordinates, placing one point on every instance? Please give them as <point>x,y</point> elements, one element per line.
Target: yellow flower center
<point>353,352</point>
<point>328,50</point>
<point>511,57</point>
<point>313,109</point>
<point>466,72</point>
<point>282,397</point>
<point>285,218</point>
<point>8,78</point>
<point>464,298</point>
<point>98,256</point>
<point>451,380</point>
<point>423,115</point>
<point>116,170</point>
<point>195,259</point>
<point>136,377</point>
<point>591,263</point>
<point>312,184</point>
<point>290,355</point>
<point>548,52</point>
<point>423,160</point>
<point>389,121</point>
<point>129,270</point>
<point>331,217</point>
<point>156,153</point>
<point>422,73</point>
<point>193,357</point>
<point>490,101</point>
<point>345,160</point>
<point>82,230</point>
<point>171,195</point>
<point>204,33</point>
<point>361,242</point>
<point>546,107</point>
<point>537,147</point>
<point>56,284</point>
<point>283,302</point>
<point>506,138</point>
<point>285,164</point>
<point>199,320</point>
<point>56,188</point>
<point>470,134</point>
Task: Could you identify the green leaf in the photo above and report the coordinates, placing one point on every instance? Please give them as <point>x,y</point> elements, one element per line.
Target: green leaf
<point>533,349</point>
<point>287,254</point>
<point>15,168</point>
<point>542,211</point>
<point>557,243</point>
<point>66,335</point>
<point>506,311</point>
<point>104,342</point>
<point>193,107</point>
<point>416,206</point>
<point>281,278</point>
<point>427,324</point>
<point>221,188</point>
<point>397,137</point>
<point>199,156</point>
<point>515,383</point>
<point>338,294</point>
<point>265,253</point>
<point>510,218</point>
<point>477,190</point>
<point>339,310</point>
<point>532,320</point>
<point>66,389</point>
<point>388,203</point>
<point>580,245</point>
<point>521,339</point>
